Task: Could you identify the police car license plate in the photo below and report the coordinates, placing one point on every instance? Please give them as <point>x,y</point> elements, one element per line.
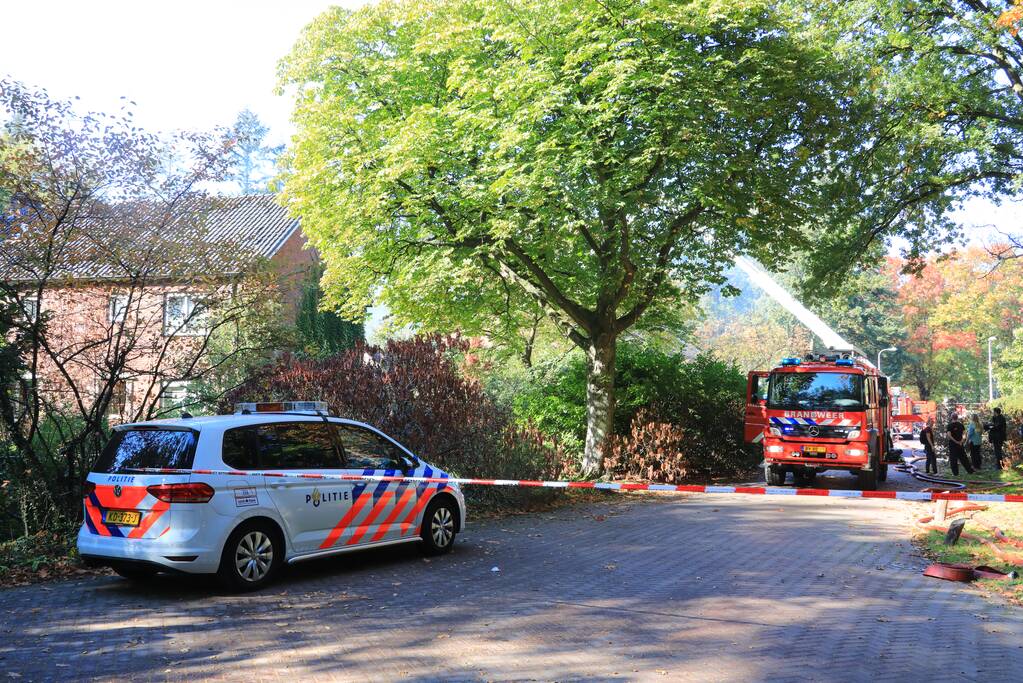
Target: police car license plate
<point>123,517</point>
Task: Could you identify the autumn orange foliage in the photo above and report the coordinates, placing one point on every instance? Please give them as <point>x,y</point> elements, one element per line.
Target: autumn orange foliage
<point>1012,18</point>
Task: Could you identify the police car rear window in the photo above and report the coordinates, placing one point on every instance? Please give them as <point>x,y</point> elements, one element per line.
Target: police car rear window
<point>288,446</point>
<point>130,449</point>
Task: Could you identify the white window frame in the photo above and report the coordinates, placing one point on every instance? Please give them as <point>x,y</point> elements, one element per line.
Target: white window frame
<point>195,325</point>
<point>20,398</point>
<point>175,395</point>
<point>30,307</point>
<point>115,313</point>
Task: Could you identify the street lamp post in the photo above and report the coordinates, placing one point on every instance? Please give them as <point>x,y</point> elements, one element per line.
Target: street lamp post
<point>890,348</point>
<point>990,376</point>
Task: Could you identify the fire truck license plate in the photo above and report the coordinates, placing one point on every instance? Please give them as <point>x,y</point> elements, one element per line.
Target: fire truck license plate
<point>816,450</point>
<point>122,517</point>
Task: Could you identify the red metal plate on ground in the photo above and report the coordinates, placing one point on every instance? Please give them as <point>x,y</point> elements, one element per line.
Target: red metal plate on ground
<point>950,572</point>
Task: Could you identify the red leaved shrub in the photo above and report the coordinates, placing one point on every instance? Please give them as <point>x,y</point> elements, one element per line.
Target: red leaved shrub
<point>653,450</point>
<point>665,452</point>
<point>413,391</point>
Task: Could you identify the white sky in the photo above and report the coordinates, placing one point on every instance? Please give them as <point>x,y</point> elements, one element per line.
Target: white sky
<point>195,65</point>
<point>186,64</point>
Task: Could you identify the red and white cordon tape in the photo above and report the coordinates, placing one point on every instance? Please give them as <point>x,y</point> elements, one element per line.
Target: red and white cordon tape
<point>921,496</point>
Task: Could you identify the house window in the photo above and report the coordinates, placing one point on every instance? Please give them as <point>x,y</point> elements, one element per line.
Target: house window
<point>175,396</point>
<point>118,307</point>
<point>118,398</point>
<point>22,393</point>
<point>30,307</point>
<point>184,314</point>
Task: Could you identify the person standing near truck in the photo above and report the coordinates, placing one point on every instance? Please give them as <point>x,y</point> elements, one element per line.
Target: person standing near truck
<point>957,446</point>
<point>997,435</point>
<point>927,441</point>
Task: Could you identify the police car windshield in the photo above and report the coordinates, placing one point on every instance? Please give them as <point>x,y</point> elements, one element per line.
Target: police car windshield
<point>134,449</point>
<point>815,390</point>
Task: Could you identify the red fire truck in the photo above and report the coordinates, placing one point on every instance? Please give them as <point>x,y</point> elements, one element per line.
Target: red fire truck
<point>822,412</point>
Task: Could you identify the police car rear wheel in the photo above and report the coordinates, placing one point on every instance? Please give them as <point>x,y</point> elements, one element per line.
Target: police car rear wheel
<point>251,557</point>
<point>439,528</point>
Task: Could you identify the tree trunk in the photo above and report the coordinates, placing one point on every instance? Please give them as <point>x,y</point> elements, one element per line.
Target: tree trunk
<point>924,389</point>
<point>527,351</point>
<point>600,402</point>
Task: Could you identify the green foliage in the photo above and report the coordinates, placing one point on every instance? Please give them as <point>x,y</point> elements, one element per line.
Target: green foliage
<point>444,143</point>
<point>1011,405</point>
<point>702,394</point>
<point>323,332</point>
<point>553,400</point>
<point>1010,368</point>
<point>597,161</point>
<point>947,77</point>
<point>38,556</point>
<point>866,312</point>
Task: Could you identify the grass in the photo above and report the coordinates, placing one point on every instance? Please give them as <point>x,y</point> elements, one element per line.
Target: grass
<point>1012,476</point>
<point>1006,516</point>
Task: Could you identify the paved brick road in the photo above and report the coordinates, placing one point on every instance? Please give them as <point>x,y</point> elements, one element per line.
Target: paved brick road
<point>724,588</point>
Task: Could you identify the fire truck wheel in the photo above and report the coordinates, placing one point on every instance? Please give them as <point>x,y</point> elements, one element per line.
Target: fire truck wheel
<point>882,472</point>
<point>867,479</point>
<point>775,475</point>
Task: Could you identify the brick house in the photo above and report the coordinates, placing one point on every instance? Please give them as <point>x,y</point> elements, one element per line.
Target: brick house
<point>155,306</point>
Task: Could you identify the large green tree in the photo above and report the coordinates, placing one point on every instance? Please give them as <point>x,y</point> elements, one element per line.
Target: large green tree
<point>950,73</point>
<point>598,158</point>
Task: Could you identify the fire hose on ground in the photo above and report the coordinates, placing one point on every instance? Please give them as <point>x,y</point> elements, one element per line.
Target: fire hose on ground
<point>961,572</point>
<point>908,466</point>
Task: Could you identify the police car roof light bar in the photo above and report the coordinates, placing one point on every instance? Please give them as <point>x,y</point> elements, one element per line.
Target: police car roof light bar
<point>303,407</point>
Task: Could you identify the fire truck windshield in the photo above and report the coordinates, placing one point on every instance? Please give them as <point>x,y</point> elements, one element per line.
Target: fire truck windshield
<point>815,390</point>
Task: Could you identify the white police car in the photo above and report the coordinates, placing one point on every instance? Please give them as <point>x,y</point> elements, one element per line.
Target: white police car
<point>245,527</point>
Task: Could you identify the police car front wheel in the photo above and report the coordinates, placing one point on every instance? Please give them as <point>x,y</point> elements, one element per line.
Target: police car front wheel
<point>439,527</point>
<point>252,556</point>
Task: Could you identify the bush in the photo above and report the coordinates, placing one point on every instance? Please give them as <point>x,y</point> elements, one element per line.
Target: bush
<point>675,418</point>
<point>38,556</point>
<point>413,390</point>
<point>1011,405</point>
<point>44,492</point>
